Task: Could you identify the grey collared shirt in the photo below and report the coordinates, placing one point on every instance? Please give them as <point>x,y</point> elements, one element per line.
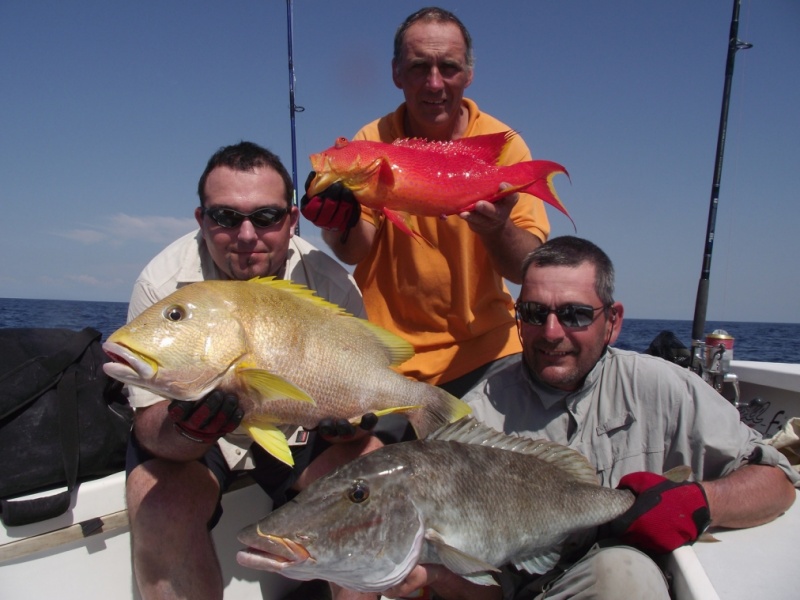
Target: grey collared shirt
<point>634,412</point>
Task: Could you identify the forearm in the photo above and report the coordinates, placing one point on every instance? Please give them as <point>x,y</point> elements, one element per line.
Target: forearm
<point>156,432</point>
<point>356,245</point>
<point>750,496</point>
<point>508,247</point>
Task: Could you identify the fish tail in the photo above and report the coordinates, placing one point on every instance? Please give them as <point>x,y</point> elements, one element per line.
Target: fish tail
<point>438,409</point>
<point>541,174</point>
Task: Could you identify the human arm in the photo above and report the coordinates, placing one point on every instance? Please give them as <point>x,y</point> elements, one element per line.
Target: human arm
<point>751,495</point>
<point>506,243</point>
<point>356,247</point>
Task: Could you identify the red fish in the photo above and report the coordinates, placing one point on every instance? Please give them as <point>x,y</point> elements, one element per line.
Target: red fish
<point>431,178</point>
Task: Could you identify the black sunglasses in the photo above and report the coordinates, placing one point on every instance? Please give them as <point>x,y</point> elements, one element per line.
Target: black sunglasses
<point>263,217</point>
<point>571,316</point>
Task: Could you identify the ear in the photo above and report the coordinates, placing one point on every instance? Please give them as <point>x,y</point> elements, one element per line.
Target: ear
<point>615,316</point>
<point>294,215</point>
<point>396,75</point>
<point>198,215</point>
<point>469,78</point>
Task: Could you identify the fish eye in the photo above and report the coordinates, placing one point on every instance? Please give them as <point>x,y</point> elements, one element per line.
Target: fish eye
<point>359,492</point>
<point>174,313</point>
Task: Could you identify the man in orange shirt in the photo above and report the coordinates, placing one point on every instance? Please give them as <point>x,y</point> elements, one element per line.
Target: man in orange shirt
<point>448,298</point>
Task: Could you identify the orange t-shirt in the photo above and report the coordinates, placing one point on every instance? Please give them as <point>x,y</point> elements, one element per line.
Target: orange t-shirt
<point>444,297</point>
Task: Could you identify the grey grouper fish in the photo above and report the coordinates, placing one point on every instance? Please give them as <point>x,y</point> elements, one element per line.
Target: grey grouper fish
<point>467,497</point>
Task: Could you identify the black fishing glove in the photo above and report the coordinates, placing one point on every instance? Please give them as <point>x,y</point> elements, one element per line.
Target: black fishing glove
<point>335,208</point>
<point>207,419</point>
<point>342,428</point>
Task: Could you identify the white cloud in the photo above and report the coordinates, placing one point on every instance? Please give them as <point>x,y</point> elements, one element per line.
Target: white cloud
<point>120,228</point>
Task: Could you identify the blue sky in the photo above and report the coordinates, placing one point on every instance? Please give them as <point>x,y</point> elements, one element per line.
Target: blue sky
<point>109,111</point>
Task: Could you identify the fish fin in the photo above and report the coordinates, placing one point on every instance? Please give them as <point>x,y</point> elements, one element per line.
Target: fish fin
<point>481,579</point>
<point>679,474</point>
<point>270,438</point>
<point>396,349</point>
<point>471,431</point>
<point>385,173</point>
<point>300,291</point>
<point>708,538</point>
<point>388,411</point>
<point>540,562</point>
<point>271,386</point>
<point>488,148</point>
<point>457,560</point>
<point>440,409</point>
<point>401,221</point>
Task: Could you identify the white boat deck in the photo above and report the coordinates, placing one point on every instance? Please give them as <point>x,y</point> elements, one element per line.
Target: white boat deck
<point>53,559</point>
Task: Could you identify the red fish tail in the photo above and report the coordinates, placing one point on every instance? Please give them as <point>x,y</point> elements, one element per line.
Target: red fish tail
<point>540,173</point>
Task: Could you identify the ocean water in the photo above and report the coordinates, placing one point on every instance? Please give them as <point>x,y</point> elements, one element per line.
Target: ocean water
<point>772,342</point>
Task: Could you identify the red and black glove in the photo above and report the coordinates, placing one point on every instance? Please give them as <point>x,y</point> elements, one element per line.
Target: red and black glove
<point>335,208</point>
<point>207,419</point>
<point>665,514</point>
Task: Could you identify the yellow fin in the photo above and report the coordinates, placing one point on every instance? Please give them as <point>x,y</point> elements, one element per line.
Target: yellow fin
<point>271,386</point>
<point>300,291</point>
<point>356,421</point>
<point>396,349</point>
<point>271,439</point>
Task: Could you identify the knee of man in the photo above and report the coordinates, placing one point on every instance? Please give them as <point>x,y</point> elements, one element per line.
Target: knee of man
<point>165,493</point>
<point>625,572</point>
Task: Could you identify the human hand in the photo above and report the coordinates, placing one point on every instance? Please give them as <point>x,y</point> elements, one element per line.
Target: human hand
<point>342,429</point>
<point>334,208</point>
<point>491,217</point>
<point>207,419</point>
<point>665,514</point>
<point>416,584</point>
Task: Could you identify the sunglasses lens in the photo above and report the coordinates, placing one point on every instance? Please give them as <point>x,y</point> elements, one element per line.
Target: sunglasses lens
<point>224,217</point>
<point>266,217</point>
<point>575,316</point>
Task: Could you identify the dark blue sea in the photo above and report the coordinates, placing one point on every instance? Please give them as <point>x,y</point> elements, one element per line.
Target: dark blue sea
<point>772,342</point>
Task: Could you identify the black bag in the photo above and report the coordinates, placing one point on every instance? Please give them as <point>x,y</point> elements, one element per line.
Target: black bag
<point>62,419</point>
<point>668,346</point>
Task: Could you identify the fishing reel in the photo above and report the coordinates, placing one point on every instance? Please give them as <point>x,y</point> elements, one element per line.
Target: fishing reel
<point>711,359</point>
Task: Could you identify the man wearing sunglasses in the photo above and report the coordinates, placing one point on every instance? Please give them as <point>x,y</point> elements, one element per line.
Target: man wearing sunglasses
<point>183,455</point>
<point>634,416</point>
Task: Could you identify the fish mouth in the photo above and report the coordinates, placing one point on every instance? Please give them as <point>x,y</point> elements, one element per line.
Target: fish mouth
<point>127,364</point>
<point>323,180</point>
<point>274,553</point>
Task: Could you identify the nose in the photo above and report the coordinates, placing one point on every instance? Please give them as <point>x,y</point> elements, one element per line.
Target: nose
<point>552,329</point>
<point>247,232</point>
<point>435,80</point>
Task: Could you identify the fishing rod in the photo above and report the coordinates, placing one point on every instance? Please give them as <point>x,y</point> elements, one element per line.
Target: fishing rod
<point>701,304</point>
<point>293,108</point>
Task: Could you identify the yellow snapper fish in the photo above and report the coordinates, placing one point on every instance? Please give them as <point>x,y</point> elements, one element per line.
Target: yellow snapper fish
<point>291,357</point>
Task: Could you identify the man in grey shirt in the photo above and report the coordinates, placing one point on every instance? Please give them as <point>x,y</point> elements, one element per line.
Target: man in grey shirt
<point>632,416</point>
